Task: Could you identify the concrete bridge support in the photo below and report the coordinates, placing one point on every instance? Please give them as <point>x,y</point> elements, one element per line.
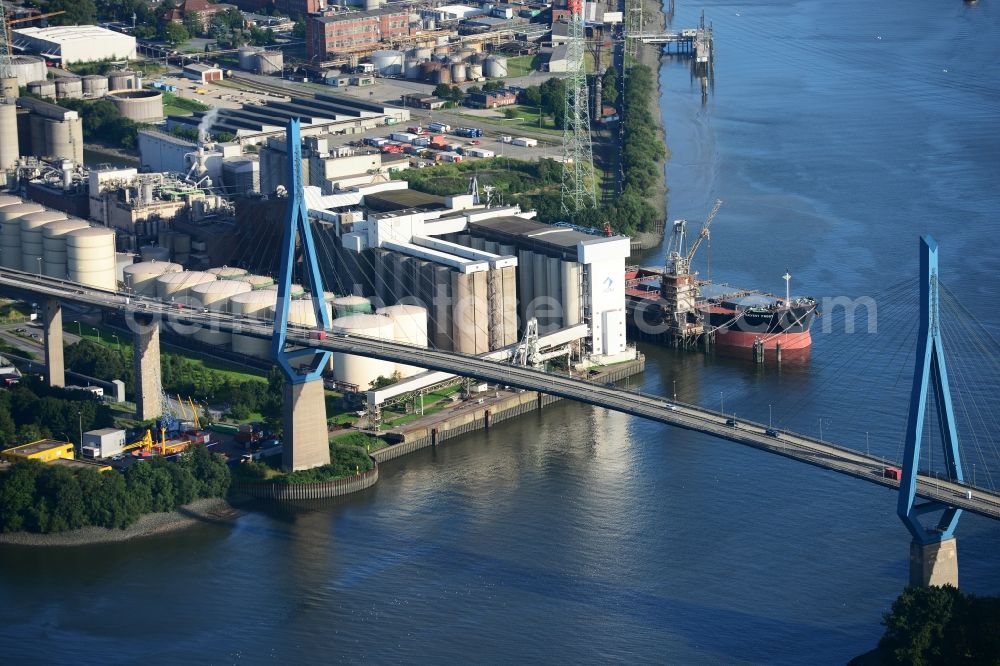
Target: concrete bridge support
<point>54,364</point>
<point>934,563</point>
<point>306,439</point>
<point>146,365</point>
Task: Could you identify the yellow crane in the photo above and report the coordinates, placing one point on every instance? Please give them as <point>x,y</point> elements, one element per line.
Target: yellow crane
<point>28,19</point>
<point>194,413</point>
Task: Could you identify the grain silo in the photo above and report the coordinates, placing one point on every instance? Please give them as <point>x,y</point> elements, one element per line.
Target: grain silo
<point>215,296</point>
<point>95,86</point>
<point>143,106</point>
<point>348,305</point>
<point>176,286</point>
<point>140,278</point>
<point>90,257</point>
<point>410,328</point>
<point>228,272</point>
<point>32,252</point>
<point>54,246</point>
<point>43,88</point>
<point>10,232</point>
<point>359,370</point>
<point>69,87</point>
<point>9,147</point>
<point>260,305</point>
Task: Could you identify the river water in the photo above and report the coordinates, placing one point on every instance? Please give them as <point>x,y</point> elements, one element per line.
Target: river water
<point>836,132</point>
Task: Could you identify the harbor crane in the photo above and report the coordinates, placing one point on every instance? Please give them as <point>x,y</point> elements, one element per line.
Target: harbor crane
<point>679,261</point>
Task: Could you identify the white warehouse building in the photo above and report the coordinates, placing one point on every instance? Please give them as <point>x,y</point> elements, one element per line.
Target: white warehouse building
<point>75,43</point>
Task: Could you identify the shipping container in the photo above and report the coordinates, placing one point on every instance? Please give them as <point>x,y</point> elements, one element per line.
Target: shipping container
<point>402,136</point>
<point>422,141</point>
<point>523,141</point>
<point>479,152</point>
<point>894,473</point>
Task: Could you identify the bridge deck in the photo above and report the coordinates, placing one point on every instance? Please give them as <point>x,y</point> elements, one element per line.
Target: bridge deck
<point>691,417</point>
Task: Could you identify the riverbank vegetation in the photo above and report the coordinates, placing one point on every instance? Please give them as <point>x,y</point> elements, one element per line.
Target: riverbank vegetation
<point>40,498</point>
<point>941,625</point>
<point>31,411</point>
<point>348,456</point>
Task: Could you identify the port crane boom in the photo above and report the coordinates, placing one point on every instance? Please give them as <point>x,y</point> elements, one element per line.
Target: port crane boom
<point>679,261</point>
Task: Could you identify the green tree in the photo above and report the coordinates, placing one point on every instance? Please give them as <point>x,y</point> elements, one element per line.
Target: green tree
<point>915,628</point>
<point>193,24</point>
<point>609,86</point>
<point>174,34</point>
<point>442,90</point>
<point>77,12</point>
<point>299,30</point>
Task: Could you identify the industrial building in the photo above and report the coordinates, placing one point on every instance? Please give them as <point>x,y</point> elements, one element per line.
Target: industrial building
<point>202,73</point>
<point>325,166</point>
<point>327,113</point>
<point>348,32</point>
<point>46,130</point>
<point>68,44</point>
<point>102,443</point>
<point>44,450</point>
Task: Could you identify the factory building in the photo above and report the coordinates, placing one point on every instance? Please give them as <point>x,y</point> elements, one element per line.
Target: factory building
<point>68,44</point>
<point>349,32</point>
<point>327,113</point>
<point>202,73</point>
<point>324,166</point>
<point>102,443</point>
<point>44,450</point>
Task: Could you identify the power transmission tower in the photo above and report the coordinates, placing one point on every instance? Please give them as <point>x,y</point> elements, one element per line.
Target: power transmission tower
<point>633,27</point>
<point>578,152</point>
<point>6,70</point>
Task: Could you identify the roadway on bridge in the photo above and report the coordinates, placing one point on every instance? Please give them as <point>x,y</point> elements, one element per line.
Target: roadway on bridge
<point>655,408</point>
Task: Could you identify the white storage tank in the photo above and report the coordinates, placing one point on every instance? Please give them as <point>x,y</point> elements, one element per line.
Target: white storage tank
<point>388,62</point>
<point>175,286</point>
<point>458,72</point>
<point>257,281</point>
<point>28,68</point>
<point>475,72</point>
<point>496,67</point>
<point>95,86</point>
<point>215,296</point>
<point>269,62</point>
<point>410,328</point>
<point>301,313</point>
<point>260,305</point>
<point>90,257</point>
<point>348,305</point>
<point>31,238</point>
<point>143,106</point>
<point>69,87</point>
<point>154,253</point>
<point>123,80</point>
<point>140,278</point>
<point>248,57</point>
<point>8,200</point>
<point>228,272</point>
<point>359,370</point>
<point>9,148</point>
<point>10,232</point>
<point>43,88</point>
<point>296,290</point>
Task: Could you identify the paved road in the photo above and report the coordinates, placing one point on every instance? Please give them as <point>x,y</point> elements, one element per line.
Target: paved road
<point>655,408</point>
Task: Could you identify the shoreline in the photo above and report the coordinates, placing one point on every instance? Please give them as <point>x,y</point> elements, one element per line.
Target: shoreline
<point>651,56</point>
<point>215,510</point>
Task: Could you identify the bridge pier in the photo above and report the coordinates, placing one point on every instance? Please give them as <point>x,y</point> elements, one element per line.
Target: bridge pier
<point>934,563</point>
<point>55,367</point>
<point>306,439</point>
<point>146,365</point>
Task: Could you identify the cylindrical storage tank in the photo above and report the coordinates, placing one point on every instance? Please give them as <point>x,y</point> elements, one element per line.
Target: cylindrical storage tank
<point>138,105</point>
<point>359,370</point>
<point>458,74</point>
<point>9,200</point>
<point>95,85</point>
<point>296,290</point>
<point>429,70</point>
<point>388,62</point>
<point>122,261</point>
<point>475,72</point>
<point>69,87</point>
<point>260,305</point>
<point>270,62</point>
<point>43,88</point>
<point>9,148</point>
<point>215,296</point>
<point>32,249</point>
<point>176,286</point>
<point>257,281</point>
<point>247,57</point>
<point>413,69</point>
<point>140,278</point>
<point>10,232</point>
<point>410,328</point>
<point>123,80</point>
<point>90,257</point>
<point>154,253</point>
<point>444,74</point>
<point>228,272</point>
<point>349,305</point>
<point>28,68</point>
<point>301,312</point>
<point>496,67</point>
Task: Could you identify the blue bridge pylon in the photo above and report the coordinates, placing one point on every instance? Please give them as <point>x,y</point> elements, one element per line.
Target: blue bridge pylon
<point>930,373</point>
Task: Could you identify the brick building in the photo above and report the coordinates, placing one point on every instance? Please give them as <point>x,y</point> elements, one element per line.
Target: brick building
<point>349,32</point>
